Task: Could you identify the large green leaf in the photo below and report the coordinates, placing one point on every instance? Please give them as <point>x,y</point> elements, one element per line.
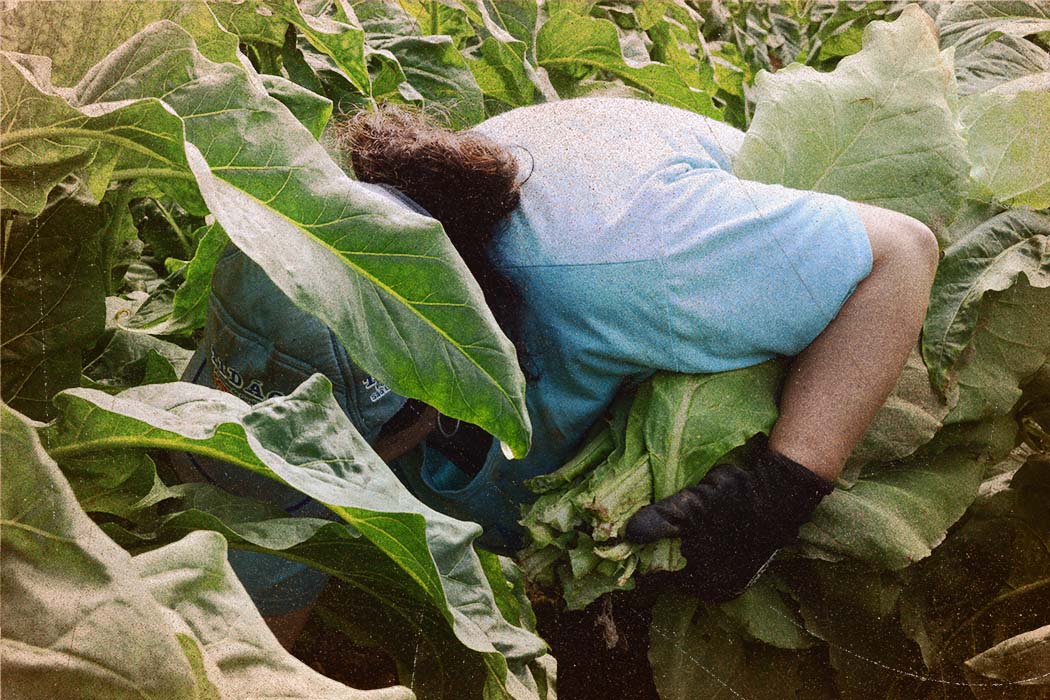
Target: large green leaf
<point>81,618</point>
<point>137,140</point>
<point>311,109</point>
<point>334,33</point>
<point>433,70</point>
<point>44,28</point>
<point>53,286</point>
<point>386,280</point>
<point>306,441</point>
<point>379,606</point>
<point>990,258</point>
<point>251,21</point>
<point>694,420</point>
<point>1010,345</point>
<point>878,129</point>
<point>501,75</point>
<point>1008,137</point>
<point>570,42</point>
<point>198,591</point>
<point>508,32</point>
<point>906,507</point>
<point>990,40</point>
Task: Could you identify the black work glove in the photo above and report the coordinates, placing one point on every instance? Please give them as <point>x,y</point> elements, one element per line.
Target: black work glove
<point>731,523</point>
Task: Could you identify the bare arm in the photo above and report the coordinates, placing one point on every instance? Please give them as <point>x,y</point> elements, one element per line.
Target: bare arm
<point>837,384</point>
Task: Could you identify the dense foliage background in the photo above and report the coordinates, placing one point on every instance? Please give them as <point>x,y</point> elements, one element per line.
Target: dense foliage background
<point>138,139</point>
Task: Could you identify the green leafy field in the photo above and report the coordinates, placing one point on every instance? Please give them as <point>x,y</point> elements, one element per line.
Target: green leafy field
<point>138,139</point>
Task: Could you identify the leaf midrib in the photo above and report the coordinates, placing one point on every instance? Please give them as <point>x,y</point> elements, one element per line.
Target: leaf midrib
<point>339,255</point>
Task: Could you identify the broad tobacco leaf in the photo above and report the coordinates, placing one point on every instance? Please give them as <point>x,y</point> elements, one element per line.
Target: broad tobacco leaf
<point>1008,138</point>
<point>431,70</point>
<point>990,39</point>
<point>40,129</point>
<point>312,110</point>
<point>53,286</point>
<point>386,280</point>
<point>569,42</point>
<point>505,63</point>
<point>306,441</point>
<point>878,129</point>
<point>897,512</point>
<point>694,420</point>
<point>991,258</point>
<point>335,33</point>
<point>44,28</point>
<point>1011,343</point>
<point>378,606</point>
<point>81,616</point>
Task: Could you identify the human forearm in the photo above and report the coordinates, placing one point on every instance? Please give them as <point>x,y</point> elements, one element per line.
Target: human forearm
<point>838,383</point>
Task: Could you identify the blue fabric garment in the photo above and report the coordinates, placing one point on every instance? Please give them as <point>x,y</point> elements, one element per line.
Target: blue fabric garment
<point>637,250</point>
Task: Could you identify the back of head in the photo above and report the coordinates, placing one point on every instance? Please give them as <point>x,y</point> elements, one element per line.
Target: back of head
<point>465,180</point>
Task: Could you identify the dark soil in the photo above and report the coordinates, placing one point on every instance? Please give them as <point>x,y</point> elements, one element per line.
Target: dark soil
<point>601,650</point>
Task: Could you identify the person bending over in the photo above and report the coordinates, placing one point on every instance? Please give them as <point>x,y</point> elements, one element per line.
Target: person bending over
<point>611,241</point>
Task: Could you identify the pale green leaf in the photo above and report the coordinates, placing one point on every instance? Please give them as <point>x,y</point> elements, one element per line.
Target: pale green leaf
<point>660,440</point>
<point>878,129</point>
<point>47,29</point>
<point>898,512</point>
<point>992,40</point>
<point>694,420</point>
<point>306,441</point>
<point>82,618</point>
<point>1008,138</point>
<point>1010,345</point>
<point>311,109</point>
<point>991,258</point>
<point>386,280</point>
<point>39,125</point>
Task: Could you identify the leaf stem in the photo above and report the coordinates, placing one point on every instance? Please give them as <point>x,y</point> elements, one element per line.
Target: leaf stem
<point>137,442</point>
<point>152,173</point>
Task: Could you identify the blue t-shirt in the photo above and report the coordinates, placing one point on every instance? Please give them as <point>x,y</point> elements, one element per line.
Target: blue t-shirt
<point>636,250</point>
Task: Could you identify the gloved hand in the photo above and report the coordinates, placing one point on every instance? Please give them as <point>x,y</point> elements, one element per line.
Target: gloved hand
<point>731,523</point>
